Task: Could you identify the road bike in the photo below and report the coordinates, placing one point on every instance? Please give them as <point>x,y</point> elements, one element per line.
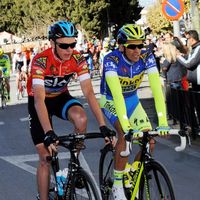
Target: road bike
<point>150,181</point>
<point>79,184</point>
<point>3,92</point>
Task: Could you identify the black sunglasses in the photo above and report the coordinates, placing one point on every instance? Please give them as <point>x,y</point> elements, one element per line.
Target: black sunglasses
<point>134,46</point>
<point>66,46</point>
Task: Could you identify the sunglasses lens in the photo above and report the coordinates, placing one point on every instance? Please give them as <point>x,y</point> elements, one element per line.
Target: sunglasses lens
<point>134,46</point>
<point>66,46</point>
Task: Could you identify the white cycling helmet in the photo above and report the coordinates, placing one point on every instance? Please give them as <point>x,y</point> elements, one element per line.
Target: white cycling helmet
<point>18,50</point>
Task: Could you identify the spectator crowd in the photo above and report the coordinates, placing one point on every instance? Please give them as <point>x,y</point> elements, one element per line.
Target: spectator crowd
<point>178,61</point>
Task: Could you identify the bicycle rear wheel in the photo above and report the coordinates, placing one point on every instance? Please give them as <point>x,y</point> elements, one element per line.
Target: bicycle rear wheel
<point>156,183</point>
<point>84,187</point>
<point>106,166</point>
<point>3,97</point>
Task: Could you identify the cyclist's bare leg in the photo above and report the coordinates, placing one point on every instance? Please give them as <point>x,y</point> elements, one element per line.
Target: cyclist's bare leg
<point>43,172</point>
<point>8,86</point>
<point>120,162</point>
<point>17,79</point>
<point>77,116</point>
<point>24,76</point>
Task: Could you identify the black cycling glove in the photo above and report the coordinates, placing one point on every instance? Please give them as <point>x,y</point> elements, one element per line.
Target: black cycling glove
<point>106,131</point>
<point>50,138</point>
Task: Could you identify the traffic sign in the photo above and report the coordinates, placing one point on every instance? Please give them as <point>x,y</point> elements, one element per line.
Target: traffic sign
<point>173,9</point>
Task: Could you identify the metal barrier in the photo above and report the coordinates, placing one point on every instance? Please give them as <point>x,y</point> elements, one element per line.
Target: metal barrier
<point>184,106</point>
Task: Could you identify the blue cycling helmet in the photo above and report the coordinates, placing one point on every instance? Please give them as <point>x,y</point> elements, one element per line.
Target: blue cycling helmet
<point>62,29</point>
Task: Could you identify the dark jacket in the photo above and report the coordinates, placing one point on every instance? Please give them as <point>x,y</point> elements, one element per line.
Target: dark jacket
<point>174,71</point>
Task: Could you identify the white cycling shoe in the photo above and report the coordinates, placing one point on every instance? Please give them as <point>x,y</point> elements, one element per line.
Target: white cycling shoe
<point>118,193</point>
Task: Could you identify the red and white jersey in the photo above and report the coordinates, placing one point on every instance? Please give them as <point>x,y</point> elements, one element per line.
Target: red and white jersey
<point>55,74</point>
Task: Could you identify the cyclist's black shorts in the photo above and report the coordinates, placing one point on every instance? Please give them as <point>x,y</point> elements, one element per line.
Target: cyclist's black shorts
<point>57,106</point>
<point>19,65</point>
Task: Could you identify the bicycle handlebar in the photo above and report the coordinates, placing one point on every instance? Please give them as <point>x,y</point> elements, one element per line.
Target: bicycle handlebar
<point>74,136</point>
<point>82,136</point>
<point>154,134</point>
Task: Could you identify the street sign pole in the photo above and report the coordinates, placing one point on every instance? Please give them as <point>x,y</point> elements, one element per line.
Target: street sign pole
<point>176,28</point>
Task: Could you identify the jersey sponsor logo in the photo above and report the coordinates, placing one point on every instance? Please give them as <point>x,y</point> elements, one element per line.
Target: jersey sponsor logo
<point>38,72</point>
<point>113,58</point>
<point>124,70</point>
<point>131,84</point>
<point>110,65</point>
<point>151,62</point>
<point>109,106</point>
<point>57,82</point>
<point>79,58</point>
<point>41,62</point>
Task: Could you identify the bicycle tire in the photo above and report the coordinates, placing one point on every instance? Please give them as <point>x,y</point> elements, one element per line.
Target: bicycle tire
<point>158,182</point>
<point>3,96</point>
<point>106,165</point>
<point>88,189</point>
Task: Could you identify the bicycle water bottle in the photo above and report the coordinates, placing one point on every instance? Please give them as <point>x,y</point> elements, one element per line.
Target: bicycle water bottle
<point>64,175</point>
<point>59,182</point>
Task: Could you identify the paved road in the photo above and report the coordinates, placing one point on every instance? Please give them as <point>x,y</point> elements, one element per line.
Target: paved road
<point>18,159</point>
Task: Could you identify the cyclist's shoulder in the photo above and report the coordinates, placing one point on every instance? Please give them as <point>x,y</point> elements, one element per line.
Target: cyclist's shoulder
<point>147,56</point>
<point>41,59</point>
<point>114,56</point>
<point>78,57</point>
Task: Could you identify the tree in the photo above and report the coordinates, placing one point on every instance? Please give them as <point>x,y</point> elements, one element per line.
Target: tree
<point>156,20</point>
<point>30,18</point>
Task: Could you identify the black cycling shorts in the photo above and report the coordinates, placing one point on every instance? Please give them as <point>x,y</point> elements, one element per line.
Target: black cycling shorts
<point>57,106</point>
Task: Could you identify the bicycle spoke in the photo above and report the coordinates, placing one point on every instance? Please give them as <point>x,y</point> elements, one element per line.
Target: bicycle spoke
<point>156,184</point>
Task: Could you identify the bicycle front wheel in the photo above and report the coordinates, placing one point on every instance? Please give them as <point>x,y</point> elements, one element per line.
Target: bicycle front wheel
<point>3,98</point>
<point>106,166</point>
<point>156,183</point>
<point>84,187</point>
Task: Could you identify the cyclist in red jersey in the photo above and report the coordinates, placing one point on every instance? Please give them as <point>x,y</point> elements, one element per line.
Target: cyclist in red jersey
<point>48,95</point>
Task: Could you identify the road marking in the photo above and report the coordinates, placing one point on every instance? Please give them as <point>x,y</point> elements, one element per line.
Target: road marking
<point>21,161</point>
<point>2,123</point>
<point>24,119</point>
<point>188,151</point>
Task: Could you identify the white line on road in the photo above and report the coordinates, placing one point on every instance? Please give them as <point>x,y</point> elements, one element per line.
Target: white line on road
<point>24,119</point>
<point>2,123</point>
<point>21,162</point>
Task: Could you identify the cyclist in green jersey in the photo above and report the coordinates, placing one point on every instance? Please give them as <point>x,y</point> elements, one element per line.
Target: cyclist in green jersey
<point>5,69</point>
